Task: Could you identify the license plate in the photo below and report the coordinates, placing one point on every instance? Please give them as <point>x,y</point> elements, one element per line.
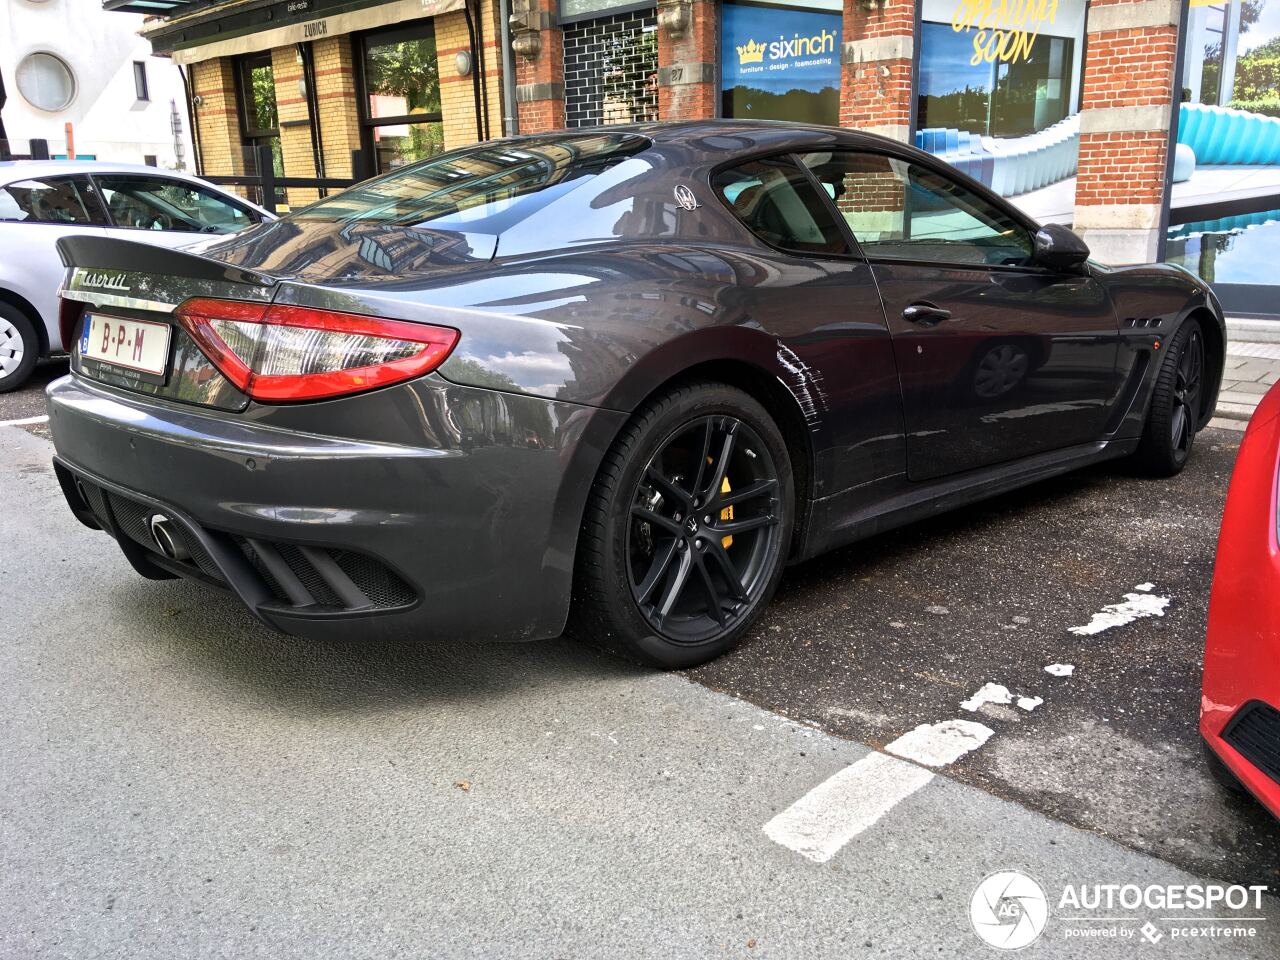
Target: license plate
<point>132,344</point>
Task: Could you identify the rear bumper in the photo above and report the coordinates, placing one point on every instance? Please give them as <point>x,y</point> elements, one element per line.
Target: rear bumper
<point>455,515</point>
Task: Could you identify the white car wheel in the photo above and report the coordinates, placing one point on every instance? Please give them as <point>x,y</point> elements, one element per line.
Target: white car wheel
<point>19,348</point>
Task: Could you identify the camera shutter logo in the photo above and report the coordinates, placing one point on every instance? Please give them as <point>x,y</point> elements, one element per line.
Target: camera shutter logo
<point>1009,910</point>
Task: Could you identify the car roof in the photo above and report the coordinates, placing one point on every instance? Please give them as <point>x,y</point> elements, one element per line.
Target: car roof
<point>11,170</point>
<point>715,140</point>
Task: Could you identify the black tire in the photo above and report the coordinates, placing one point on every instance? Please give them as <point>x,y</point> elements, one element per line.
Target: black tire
<point>651,582</point>
<point>1177,405</point>
<point>18,340</point>
<point>1222,773</point>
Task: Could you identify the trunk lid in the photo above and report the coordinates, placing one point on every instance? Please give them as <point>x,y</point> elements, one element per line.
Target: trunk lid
<point>136,281</point>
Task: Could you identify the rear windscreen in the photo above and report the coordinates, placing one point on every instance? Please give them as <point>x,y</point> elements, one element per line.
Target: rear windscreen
<point>485,189</point>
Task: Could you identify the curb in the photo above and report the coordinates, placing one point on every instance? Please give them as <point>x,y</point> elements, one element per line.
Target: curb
<point>1253,331</point>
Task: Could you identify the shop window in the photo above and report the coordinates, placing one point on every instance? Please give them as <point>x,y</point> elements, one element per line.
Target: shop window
<point>781,62</point>
<point>259,119</point>
<point>611,70</point>
<point>400,108</point>
<point>776,202</point>
<point>901,211</point>
<point>998,99</point>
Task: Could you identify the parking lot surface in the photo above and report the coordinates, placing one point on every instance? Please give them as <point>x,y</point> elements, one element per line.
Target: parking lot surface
<point>181,782</point>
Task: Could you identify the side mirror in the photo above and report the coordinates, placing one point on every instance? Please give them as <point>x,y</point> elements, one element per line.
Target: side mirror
<point>1056,247</point>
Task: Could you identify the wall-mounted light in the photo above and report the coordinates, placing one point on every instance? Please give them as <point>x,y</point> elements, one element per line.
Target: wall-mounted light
<point>463,62</point>
<point>675,17</point>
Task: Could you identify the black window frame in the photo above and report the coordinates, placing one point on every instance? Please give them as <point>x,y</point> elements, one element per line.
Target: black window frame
<point>230,200</point>
<point>141,83</point>
<point>244,92</point>
<point>359,47</point>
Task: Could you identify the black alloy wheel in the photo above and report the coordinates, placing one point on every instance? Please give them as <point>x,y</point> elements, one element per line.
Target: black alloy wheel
<point>1187,387</point>
<point>704,522</point>
<point>1177,403</point>
<point>686,530</point>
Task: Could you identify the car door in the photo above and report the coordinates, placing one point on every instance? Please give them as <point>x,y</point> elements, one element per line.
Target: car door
<point>998,358</point>
<point>167,211</point>
<point>811,290</point>
<point>34,214</point>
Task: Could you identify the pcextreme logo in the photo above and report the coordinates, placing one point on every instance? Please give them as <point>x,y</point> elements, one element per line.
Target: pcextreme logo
<point>1009,910</point>
<point>819,44</point>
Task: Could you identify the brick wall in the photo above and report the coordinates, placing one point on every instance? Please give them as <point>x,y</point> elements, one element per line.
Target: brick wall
<point>540,81</point>
<point>687,88</point>
<point>336,99</point>
<point>217,119</point>
<point>875,81</point>
<point>1125,108</point>
<point>457,94</point>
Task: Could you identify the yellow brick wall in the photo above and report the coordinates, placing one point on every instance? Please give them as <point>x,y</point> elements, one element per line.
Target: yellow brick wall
<point>217,120</point>
<point>336,97</point>
<point>457,94</point>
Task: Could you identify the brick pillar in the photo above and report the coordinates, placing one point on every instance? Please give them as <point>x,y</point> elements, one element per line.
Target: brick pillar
<point>687,64</point>
<point>457,94</point>
<point>540,79</point>
<point>336,98</point>
<point>217,120</point>
<point>296,148</point>
<point>875,80</point>
<point>1125,108</point>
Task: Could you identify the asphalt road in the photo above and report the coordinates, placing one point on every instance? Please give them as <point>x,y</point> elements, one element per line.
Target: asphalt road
<point>181,783</point>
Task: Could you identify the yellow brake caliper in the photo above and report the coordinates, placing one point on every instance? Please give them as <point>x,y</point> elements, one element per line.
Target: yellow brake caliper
<point>726,514</point>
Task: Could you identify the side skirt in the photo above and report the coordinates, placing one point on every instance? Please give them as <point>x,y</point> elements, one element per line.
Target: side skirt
<point>864,512</point>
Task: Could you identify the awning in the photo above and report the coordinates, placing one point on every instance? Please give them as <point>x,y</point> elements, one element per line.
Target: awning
<point>365,18</point>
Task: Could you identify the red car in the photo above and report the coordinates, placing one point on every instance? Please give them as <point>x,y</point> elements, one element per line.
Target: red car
<point>1240,703</point>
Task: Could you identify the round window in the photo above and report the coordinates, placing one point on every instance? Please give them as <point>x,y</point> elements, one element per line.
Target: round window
<point>46,81</point>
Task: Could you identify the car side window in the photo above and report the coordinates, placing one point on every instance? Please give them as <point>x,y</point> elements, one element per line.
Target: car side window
<point>903,211</point>
<point>777,202</point>
<point>47,200</point>
<point>159,203</point>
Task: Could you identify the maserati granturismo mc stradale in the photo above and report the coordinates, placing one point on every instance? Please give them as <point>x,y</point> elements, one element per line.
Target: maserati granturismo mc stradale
<point>611,379</point>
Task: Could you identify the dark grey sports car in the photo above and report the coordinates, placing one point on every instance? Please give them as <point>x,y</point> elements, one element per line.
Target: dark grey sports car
<point>613,378</point>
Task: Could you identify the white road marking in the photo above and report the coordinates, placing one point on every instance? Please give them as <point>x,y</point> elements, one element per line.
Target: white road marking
<point>1060,669</point>
<point>1135,606</point>
<point>938,744</point>
<point>1145,587</point>
<point>835,811</point>
<point>1030,703</point>
<point>29,421</point>
<point>988,693</point>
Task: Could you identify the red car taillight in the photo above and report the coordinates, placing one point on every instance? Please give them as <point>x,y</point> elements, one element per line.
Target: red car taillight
<point>279,353</point>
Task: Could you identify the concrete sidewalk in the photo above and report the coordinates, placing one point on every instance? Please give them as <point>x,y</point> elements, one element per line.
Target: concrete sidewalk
<point>1253,365</point>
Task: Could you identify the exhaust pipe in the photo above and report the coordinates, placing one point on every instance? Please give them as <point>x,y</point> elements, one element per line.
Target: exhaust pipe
<point>165,534</point>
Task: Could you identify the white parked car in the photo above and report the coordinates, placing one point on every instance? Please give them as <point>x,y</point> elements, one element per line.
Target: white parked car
<point>42,200</point>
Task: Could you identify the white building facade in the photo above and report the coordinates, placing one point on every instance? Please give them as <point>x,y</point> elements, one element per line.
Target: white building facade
<point>69,61</point>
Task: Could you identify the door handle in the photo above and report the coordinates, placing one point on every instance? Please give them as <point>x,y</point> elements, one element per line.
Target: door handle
<point>925,313</point>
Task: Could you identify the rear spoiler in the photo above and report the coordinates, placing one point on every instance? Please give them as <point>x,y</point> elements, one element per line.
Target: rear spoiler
<point>114,258</point>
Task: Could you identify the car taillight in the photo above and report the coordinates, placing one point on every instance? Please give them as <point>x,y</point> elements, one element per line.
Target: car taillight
<point>280,353</point>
